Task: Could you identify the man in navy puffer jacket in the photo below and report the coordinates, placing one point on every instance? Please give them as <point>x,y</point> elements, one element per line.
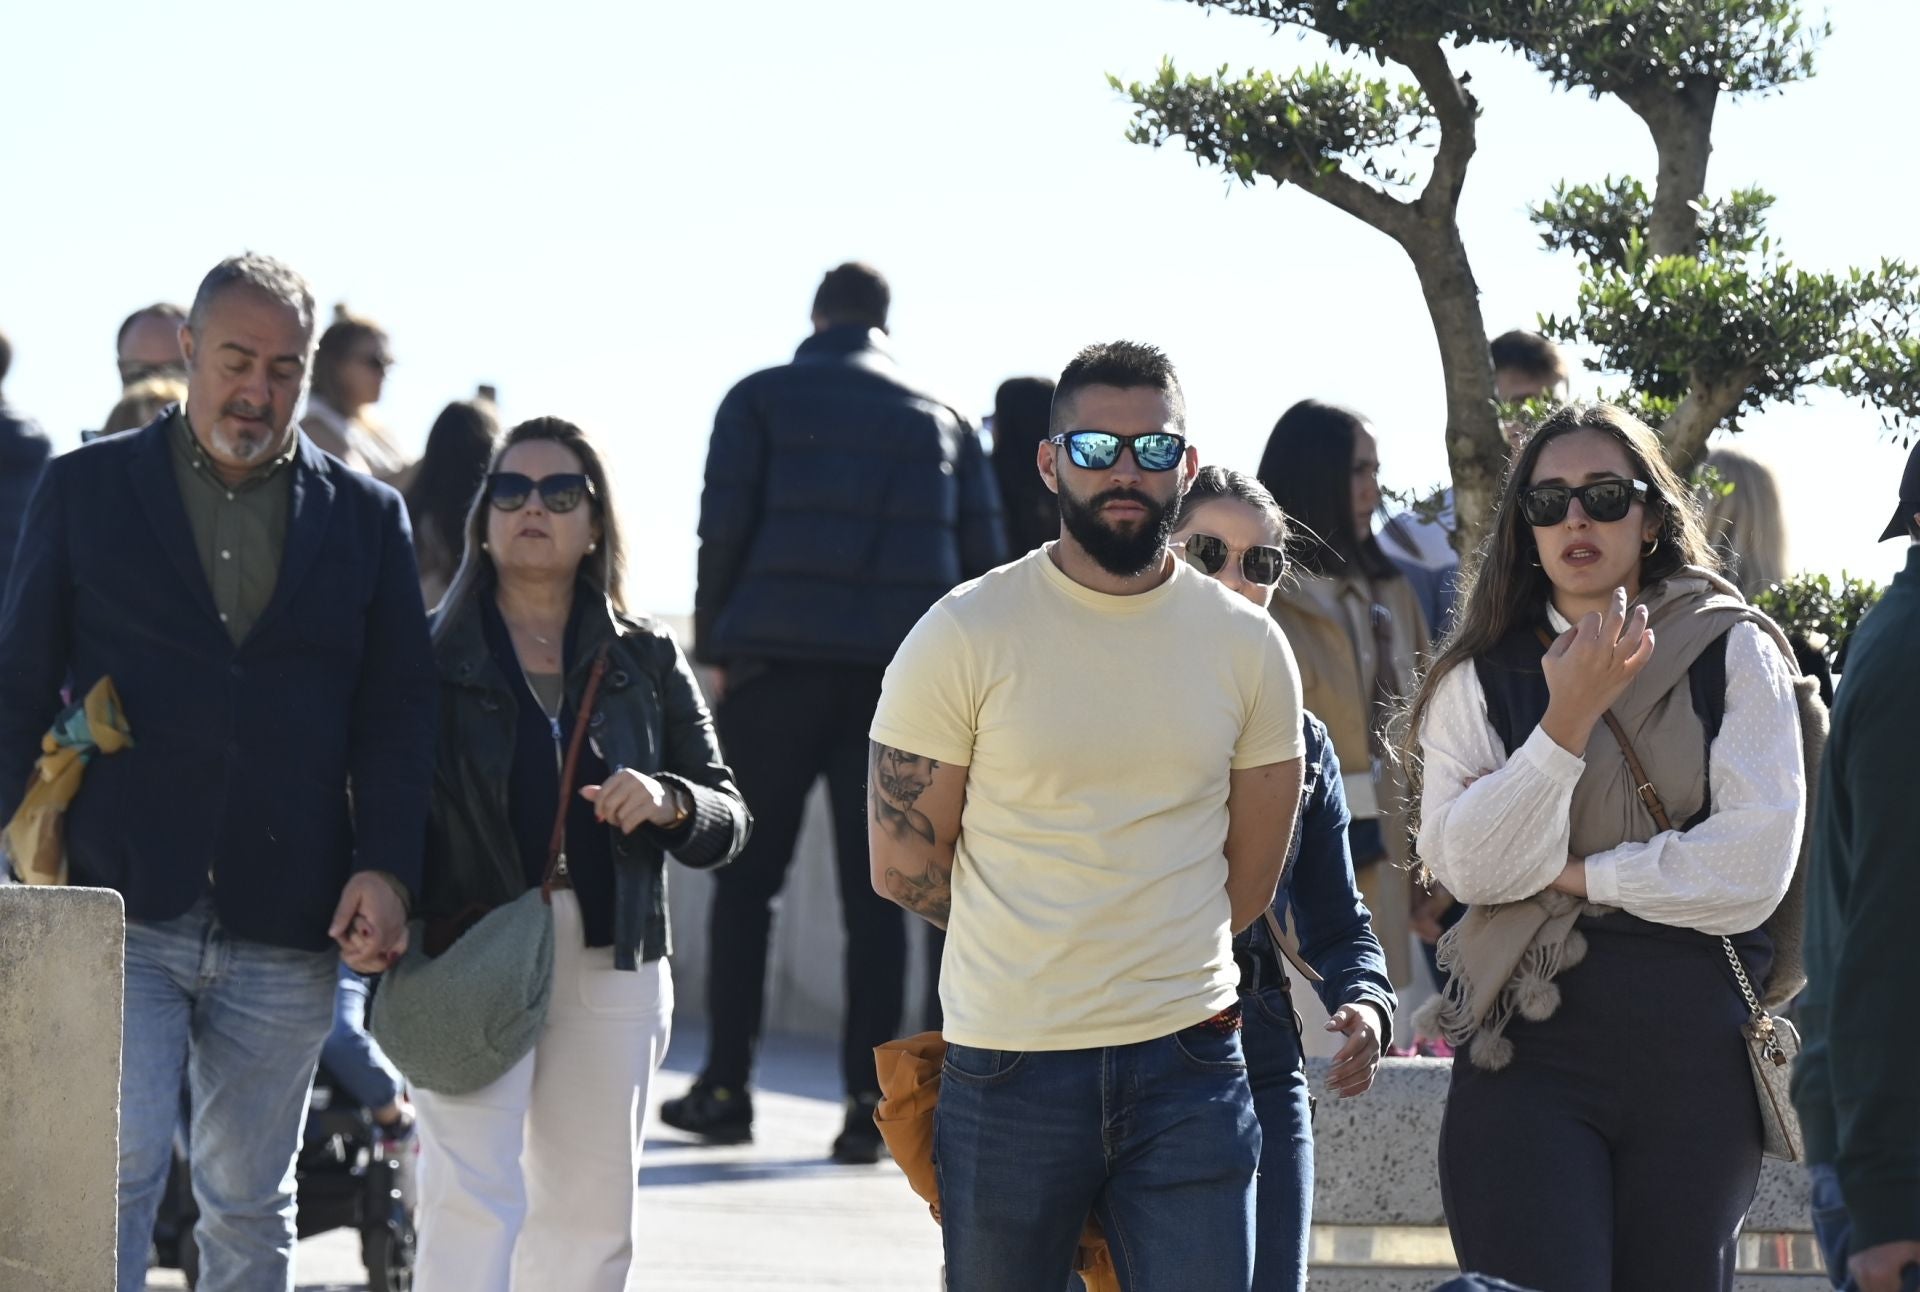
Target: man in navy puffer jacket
<point>841,501</point>
<point>24,452</point>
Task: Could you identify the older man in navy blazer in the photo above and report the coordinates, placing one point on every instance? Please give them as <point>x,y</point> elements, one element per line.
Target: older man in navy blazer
<point>256,605</point>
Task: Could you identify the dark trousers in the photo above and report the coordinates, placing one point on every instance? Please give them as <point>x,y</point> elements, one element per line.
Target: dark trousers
<point>1620,1149</point>
<point>783,728</point>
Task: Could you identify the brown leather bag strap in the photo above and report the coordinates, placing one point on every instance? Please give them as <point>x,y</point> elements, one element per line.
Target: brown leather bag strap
<point>1642,784</point>
<point>582,718</point>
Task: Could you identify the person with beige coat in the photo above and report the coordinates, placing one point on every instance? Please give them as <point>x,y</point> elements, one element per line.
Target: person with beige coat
<point>1358,632</point>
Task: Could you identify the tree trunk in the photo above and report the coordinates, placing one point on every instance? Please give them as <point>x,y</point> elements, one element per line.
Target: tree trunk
<point>1682,127</point>
<point>1685,432</point>
<point>1476,448</point>
<point>1681,122</point>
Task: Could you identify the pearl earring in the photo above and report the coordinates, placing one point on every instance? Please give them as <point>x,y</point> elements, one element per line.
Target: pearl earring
<point>593,547</point>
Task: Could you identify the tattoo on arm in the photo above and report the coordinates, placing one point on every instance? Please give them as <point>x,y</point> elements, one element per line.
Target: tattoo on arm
<point>896,781</point>
<point>929,893</point>
<point>899,779</point>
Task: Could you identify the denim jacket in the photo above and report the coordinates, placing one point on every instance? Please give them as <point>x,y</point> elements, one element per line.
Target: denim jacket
<point>1317,886</point>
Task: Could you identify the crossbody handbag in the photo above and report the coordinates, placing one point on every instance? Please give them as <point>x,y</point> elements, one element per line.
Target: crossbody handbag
<point>468,999</point>
<point>1772,1042</point>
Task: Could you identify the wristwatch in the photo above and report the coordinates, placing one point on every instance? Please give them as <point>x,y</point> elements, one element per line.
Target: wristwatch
<point>683,803</point>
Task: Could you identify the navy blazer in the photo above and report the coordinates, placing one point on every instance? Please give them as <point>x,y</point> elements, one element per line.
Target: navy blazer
<point>1333,923</point>
<point>242,757</point>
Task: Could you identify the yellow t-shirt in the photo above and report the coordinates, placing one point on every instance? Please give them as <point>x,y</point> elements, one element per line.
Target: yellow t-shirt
<point>1089,899</point>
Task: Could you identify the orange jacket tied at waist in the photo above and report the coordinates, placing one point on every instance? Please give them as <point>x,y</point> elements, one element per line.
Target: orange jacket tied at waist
<point>909,1071</point>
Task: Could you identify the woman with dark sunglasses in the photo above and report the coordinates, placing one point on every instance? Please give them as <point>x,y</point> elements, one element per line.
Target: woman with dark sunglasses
<point>529,1183</point>
<point>1602,1129</point>
<point>1358,631</point>
<point>1231,528</point>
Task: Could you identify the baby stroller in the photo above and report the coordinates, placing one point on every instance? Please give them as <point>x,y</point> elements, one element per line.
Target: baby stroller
<point>351,1175</point>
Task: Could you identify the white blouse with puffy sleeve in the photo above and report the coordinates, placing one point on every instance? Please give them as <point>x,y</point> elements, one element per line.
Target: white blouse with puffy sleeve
<point>1495,829</point>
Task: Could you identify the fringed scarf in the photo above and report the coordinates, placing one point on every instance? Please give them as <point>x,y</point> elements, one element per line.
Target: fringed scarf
<point>1502,960</point>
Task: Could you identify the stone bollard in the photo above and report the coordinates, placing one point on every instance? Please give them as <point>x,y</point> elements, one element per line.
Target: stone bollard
<point>62,957</point>
<point>1377,1220</point>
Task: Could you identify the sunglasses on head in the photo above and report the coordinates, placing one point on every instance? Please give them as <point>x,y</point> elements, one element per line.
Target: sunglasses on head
<point>1098,450</point>
<point>1603,501</point>
<point>1261,565</point>
<point>509,490</point>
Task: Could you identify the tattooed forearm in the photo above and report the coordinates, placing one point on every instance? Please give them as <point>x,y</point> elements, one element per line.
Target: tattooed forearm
<point>914,805</point>
<point>897,781</point>
<point>928,894</point>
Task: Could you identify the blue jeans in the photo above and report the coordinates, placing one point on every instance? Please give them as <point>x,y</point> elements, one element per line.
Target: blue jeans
<point>1157,1140</point>
<point>1285,1203</point>
<point>354,1059</point>
<point>243,1023</point>
<point>1834,1231</point>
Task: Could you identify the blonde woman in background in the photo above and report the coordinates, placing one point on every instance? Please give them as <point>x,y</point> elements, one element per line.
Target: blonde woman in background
<point>349,372</point>
<point>140,403</point>
<point>1745,522</point>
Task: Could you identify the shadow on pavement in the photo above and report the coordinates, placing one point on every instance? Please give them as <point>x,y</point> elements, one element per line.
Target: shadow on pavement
<point>735,1171</point>
<point>787,1064</point>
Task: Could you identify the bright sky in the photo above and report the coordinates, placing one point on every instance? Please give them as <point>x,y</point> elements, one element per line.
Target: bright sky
<point>612,212</point>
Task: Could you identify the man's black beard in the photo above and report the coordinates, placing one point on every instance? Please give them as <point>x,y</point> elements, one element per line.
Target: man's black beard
<point>1130,554</point>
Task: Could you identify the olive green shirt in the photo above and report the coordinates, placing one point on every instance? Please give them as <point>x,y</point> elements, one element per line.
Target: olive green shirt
<point>239,530</point>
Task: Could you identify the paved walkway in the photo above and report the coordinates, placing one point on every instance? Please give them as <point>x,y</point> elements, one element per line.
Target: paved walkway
<point>772,1214</point>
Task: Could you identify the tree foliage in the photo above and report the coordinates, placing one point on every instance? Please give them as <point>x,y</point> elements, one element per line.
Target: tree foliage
<point>1735,325</point>
<point>1686,300</point>
<point>1630,49</point>
<point>1822,612</point>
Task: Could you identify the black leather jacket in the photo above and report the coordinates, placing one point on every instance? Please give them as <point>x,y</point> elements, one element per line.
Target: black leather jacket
<point>649,716</point>
<point>840,503</point>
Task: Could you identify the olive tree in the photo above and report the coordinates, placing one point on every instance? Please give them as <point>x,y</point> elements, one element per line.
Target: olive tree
<point>1685,300</point>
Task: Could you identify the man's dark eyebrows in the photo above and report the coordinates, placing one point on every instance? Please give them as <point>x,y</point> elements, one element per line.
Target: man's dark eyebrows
<point>246,350</point>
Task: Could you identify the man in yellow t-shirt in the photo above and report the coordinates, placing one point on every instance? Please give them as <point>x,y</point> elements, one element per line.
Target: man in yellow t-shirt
<point>1085,768</point>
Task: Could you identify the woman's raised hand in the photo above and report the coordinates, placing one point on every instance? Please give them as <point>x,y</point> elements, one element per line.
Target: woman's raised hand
<point>1590,666</point>
<point>629,799</point>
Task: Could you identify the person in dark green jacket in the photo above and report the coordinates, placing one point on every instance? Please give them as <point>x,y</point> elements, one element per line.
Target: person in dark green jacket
<point>1857,1084</point>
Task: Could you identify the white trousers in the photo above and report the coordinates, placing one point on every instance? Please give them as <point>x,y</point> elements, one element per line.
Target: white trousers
<point>531,1183</point>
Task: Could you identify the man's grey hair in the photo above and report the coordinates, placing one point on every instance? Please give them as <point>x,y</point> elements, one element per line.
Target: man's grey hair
<point>262,273</point>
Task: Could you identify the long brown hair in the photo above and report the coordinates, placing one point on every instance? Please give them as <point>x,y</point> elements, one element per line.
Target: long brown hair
<point>1506,587</point>
<point>604,569</point>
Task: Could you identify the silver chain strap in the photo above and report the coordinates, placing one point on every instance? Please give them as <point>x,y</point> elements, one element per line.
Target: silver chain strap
<point>1761,1022</point>
<point>1740,972</point>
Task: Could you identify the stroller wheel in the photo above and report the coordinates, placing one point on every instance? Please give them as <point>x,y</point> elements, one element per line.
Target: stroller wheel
<point>389,1258</point>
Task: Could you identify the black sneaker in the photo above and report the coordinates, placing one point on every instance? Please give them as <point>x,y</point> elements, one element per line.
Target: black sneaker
<point>859,1141</point>
<point>716,1114</point>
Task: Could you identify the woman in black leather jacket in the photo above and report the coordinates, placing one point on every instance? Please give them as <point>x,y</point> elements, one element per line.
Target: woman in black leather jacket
<point>530,1182</point>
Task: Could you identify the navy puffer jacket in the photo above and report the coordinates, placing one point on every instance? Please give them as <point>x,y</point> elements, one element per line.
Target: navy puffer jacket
<point>24,451</point>
<point>840,502</point>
